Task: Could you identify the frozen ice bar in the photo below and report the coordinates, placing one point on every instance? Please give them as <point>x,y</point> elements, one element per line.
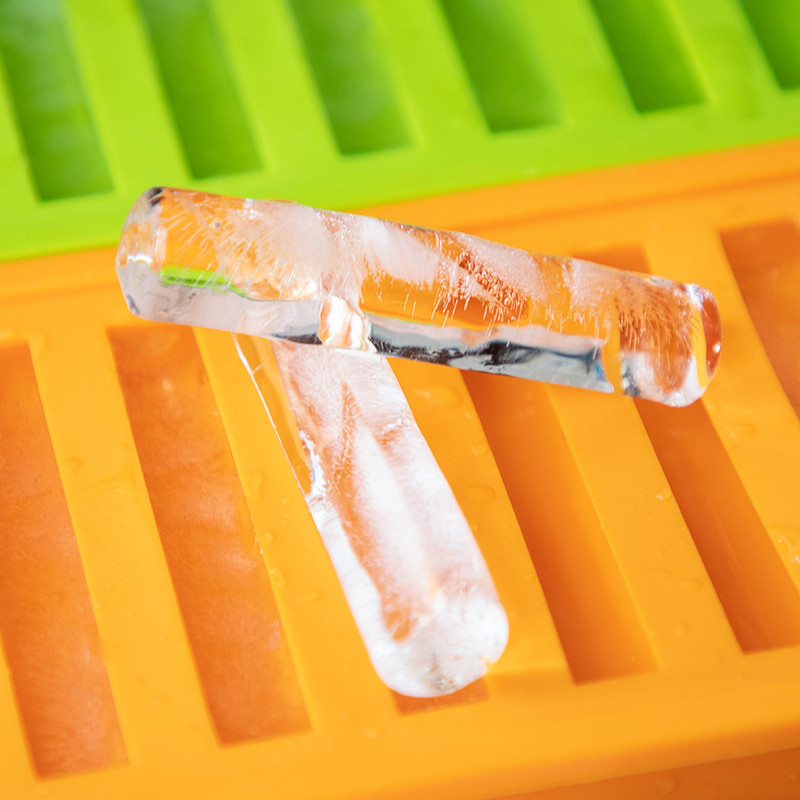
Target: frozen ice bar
<point>291,272</point>
<point>405,555</point>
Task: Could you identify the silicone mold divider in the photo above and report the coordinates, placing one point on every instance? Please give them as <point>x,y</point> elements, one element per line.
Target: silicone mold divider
<point>347,102</point>
<point>187,637</point>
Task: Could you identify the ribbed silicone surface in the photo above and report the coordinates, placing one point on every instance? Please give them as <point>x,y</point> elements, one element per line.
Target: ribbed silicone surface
<point>342,103</point>
<point>172,627</point>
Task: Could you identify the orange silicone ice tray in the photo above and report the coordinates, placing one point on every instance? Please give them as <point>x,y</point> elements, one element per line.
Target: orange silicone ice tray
<point>171,624</point>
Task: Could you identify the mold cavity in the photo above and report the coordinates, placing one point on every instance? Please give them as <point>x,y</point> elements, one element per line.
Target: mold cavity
<point>217,569</point>
<point>592,609</point>
<point>198,83</point>
<point>506,75</point>
<point>344,52</point>
<point>776,24</point>
<point>755,589</point>
<point>648,52</point>
<point>49,635</point>
<point>53,117</point>
<point>765,260</point>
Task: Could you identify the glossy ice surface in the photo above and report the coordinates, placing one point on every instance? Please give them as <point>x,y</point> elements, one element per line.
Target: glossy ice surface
<point>287,271</point>
<point>413,575</point>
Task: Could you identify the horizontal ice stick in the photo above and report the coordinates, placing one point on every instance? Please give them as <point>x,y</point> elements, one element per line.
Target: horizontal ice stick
<point>406,558</point>
<point>287,271</point>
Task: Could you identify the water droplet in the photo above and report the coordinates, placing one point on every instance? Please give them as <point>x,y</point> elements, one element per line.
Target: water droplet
<point>481,493</point>
<point>693,584</point>
<point>371,733</point>
<point>736,424</point>
<point>254,483</point>
<point>787,537</point>
<point>309,597</point>
<point>439,396</point>
<point>664,494</point>
<point>73,465</point>
<point>37,343</point>
<point>666,784</point>
<point>481,448</point>
<point>277,577</point>
<point>740,432</point>
<point>266,538</point>
<point>122,480</point>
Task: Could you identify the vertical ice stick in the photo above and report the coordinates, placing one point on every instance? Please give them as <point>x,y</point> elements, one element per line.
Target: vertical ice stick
<point>413,575</point>
<point>287,271</point>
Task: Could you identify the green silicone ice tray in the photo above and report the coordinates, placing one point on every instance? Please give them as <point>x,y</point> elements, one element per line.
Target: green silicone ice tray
<point>346,103</point>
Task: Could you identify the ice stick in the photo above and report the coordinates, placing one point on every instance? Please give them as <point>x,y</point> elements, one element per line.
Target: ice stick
<point>287,271</point>
<point>413,575</point>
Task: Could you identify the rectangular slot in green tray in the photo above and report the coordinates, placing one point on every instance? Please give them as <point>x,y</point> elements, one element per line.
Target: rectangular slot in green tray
<point>53,117</point>
<point>201,90</point>
<point>655,68</point>
<point>776,23</point>
<point>345,56</point>
<point>511,86</point>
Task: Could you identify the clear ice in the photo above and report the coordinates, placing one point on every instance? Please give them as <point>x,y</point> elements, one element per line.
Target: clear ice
<point>287,271</point>
<point>405,555</point>
<point>413,575</point>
